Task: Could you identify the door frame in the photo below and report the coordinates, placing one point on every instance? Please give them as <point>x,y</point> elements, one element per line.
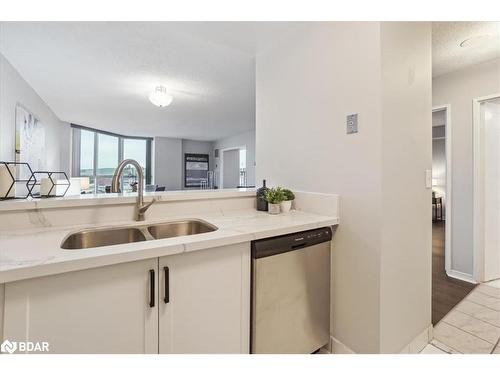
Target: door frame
<point>449,189</point>
<point>478,249</point>
<point>221,162</point>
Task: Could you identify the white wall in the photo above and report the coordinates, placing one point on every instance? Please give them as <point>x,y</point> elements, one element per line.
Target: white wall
<point>490,181</point>
<point>168,163</point>
<point>169,157</point>
<point>13,90</point>
<point>405,277</point>
<point>458,89</point>
<point>305,88</point>
<point>2,299</point>
<point>246,139</point>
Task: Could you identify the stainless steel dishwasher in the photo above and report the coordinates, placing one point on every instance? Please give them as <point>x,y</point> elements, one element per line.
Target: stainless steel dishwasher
<point>291,292</point>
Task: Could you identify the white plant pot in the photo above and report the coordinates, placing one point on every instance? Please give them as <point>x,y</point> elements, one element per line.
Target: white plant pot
<point>273,209</point>
<point>286,206</point>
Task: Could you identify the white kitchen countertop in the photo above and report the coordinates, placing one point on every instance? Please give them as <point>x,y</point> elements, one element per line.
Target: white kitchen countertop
<point>36,252</point>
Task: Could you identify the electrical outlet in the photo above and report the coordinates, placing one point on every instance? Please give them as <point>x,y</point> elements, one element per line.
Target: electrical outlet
<point>352,123</point>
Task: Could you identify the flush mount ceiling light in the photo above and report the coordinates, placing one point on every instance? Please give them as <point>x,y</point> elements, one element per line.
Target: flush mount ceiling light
<point>160,98</point>
<point>476,41</point>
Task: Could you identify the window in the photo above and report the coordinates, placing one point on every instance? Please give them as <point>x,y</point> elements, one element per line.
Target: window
<point>96,154</point>
<point>107,160</point>
<point>133,149</point>
<point>86,156</point>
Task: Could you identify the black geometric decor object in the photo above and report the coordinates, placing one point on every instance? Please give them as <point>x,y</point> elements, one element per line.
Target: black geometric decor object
<point>44,184</point>
<point>13,183</point>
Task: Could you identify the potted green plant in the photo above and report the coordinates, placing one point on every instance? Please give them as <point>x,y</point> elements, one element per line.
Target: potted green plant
<point>274,196</point>
<point>288,197</point>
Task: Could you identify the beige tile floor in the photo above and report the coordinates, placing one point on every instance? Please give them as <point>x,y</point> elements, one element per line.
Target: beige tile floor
<point>471,327</point>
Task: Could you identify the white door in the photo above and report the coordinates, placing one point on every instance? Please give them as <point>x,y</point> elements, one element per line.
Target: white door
<point>205,301</point>
<point>490,142</point>
<point>231,168</point>
<point>100,310</point>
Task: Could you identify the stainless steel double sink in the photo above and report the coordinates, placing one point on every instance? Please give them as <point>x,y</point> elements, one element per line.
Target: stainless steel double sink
<point>88,238</point>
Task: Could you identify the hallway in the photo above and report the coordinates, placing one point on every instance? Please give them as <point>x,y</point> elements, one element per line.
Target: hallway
<point>466,318</point>
<point>446,291</point>
<point>471,327</point>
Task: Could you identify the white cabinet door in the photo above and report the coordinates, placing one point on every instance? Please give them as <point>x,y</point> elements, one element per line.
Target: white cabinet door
<point>100,310</point>
<point>208,304</point>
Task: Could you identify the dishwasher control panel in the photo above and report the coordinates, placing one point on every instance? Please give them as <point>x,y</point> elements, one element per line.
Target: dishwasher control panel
<point>290,242</point>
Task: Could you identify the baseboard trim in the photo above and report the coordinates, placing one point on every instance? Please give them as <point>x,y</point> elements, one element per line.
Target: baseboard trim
<point>324,350</point>
<point>461,276</point>
<point>337,347</point>
<point>414,347</point>
<point>419,342</point>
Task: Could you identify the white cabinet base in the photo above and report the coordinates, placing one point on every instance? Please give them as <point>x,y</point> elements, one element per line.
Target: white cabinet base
<point>107,309</point>
<point>209,305</point>
<point>100,310</point>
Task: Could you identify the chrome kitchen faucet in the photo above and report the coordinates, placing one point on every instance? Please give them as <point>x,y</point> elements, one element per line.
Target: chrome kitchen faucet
<point>140,207</point>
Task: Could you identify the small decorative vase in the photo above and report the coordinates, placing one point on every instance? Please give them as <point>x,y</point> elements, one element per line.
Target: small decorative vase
<point>274,208</point>
<point>286,206</point>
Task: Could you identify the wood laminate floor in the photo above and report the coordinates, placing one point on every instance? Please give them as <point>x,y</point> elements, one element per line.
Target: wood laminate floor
<point>446,291</point>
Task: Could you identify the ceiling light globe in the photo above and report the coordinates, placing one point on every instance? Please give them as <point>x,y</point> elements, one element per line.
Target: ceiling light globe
<point>160,98</point>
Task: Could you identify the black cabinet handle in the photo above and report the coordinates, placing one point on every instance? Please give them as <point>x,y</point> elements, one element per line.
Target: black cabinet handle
<point>166,299</point>
<point>152,288</point>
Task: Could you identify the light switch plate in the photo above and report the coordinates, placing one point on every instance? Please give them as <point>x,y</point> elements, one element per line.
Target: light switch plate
<point>352,123</point>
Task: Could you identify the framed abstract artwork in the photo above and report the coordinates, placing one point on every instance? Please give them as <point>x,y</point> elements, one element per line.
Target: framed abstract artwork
<point>30,140</point>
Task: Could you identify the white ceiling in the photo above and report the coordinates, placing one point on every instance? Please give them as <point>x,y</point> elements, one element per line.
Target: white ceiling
<point>447,55</point>
<point>99,74</point>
